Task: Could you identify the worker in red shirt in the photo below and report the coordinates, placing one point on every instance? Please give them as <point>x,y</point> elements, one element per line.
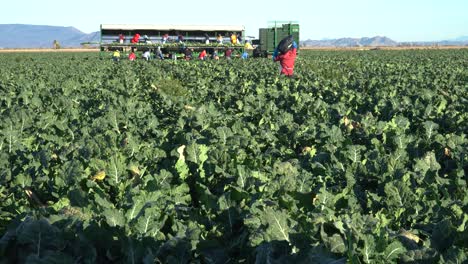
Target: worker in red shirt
<point>286,60</point>
<point>202,55</point>
<point>132,56</point>
<point>135,38</point>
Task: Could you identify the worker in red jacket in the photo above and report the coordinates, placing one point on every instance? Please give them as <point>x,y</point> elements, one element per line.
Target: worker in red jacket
<point>132,56</point>
<point>286,60</point>
<point>202,55</point>
<point>135,38</point>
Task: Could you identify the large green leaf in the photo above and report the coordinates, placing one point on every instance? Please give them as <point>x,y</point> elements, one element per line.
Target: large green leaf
<point>39,236</point>
<point>427,163</point>
<point>114,217</point>
<point>393,251</point>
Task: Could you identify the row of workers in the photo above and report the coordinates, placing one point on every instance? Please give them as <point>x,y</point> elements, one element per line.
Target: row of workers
<point>286,56</point>
<point>188,55</point>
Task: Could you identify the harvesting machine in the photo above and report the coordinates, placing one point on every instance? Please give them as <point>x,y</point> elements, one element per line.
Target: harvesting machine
<point>194,37</point>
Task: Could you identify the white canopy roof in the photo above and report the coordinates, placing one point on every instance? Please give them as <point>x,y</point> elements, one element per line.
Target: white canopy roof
<point>135,27</point>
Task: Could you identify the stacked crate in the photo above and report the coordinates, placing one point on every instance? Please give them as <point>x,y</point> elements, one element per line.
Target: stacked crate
<point>270,37</point>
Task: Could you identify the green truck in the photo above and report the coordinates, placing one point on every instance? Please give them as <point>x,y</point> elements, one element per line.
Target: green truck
<point>270,37</point>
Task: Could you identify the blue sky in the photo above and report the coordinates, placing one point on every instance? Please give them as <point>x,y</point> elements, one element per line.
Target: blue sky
<point>401,20</point>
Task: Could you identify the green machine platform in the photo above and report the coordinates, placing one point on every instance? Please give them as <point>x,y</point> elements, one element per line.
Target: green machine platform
<point>194,37</point>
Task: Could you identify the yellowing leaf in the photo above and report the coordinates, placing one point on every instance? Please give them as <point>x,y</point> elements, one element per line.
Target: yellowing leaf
<point>410,236</point>
<point>134,170</point>
<point>346,121</point>
<point>100,175</point>
<point>315,199</point>
<point>180,150</point>
<point>309,150</point>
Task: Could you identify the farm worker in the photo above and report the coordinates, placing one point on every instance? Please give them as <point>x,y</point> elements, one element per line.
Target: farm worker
<point>228,53</point>
<point>146,39</point>
<point>202,55</point>
<point>215,55</point>
<point>239,38</point>
<point>245,55</point>
<point>180,38</point>
<point>207,39</point>
<point>247,45</point>
<point>116,55</point>
<point>146,55</point>
<point>132,56</point>
<point>233,38</point>
<point>159,53</point>
<point>56,44</point>
<point>135,38</point>
<point>219,39</point>
<point>165,37</point>
<point>286,60</point>
<point>257,53</point>
<point>121,38</point>
<point>188,53</point>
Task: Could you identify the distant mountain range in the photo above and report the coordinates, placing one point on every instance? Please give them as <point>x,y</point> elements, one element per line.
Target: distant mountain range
<point>33,36</point>
<point>36,36</point>
<point>351,42</point>
<point>379,41</point>
<point>460,41</point>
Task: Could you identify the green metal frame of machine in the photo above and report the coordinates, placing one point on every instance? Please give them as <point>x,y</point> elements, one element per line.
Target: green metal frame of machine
<point>194,37</point>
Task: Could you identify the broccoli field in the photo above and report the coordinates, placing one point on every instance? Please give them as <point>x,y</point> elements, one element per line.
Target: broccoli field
<point>360,159</point>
